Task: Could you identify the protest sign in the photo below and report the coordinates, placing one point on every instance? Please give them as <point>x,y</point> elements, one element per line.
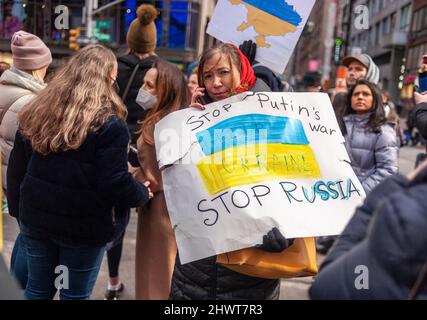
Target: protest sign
<point>253,162</point>
<point>274,25</point>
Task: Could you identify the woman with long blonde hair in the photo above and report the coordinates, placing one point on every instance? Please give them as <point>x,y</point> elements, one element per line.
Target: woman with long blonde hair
<point>164,91</point>
<point>70,160</point>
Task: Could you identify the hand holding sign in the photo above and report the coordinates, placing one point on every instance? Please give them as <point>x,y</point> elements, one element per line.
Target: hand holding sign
<point>274,242</point>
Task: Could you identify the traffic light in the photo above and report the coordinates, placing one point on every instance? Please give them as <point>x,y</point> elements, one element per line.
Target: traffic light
<point>72,39</point>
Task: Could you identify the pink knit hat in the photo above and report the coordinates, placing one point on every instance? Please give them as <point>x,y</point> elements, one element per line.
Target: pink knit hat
<point>29,52</point>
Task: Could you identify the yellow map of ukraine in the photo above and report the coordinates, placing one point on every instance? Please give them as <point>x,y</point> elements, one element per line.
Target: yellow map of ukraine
<point>269,18</point>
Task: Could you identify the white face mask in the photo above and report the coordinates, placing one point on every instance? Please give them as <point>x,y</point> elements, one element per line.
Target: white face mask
<point>146,100</point>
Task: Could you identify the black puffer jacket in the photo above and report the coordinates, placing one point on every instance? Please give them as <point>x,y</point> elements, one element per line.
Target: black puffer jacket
<point>69,196</point>
<point>206,280</point>
<point>126,65</point>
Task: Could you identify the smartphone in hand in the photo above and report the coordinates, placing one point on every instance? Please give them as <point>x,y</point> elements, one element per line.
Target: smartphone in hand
<point>202,100</point>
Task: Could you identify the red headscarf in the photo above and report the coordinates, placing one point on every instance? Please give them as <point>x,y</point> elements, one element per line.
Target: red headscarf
<point>247,74</point>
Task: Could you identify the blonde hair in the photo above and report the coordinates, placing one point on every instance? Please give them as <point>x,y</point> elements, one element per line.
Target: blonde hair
<point>78,100</point>
<point>36,75</point>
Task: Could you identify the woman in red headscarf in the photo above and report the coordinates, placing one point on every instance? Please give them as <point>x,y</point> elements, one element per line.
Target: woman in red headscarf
<point>223,72</point>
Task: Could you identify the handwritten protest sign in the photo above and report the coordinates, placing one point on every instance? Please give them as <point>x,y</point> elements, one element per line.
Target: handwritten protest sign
<point>274,25</point>
<point>253,162</point>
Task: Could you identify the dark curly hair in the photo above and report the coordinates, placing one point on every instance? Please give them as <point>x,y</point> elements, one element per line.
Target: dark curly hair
<point>377,117</point>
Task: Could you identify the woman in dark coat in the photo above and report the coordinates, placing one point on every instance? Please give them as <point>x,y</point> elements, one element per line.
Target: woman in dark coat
<point>141,41</point>
<point>68,170</point>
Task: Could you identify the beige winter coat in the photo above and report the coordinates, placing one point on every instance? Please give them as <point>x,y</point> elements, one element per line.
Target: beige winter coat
<point>16,90</point>
<point>155,242</point>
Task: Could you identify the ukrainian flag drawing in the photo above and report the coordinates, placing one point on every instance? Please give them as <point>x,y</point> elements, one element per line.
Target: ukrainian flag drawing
<point>254,148</point>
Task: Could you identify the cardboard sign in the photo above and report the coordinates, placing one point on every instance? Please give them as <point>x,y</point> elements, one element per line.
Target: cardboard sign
<point>274,25</point>
<point>253,162</point>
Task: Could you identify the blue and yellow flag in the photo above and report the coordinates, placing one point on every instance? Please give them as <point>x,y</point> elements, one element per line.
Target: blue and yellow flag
<point>255,148</point>
<point>276,8</point>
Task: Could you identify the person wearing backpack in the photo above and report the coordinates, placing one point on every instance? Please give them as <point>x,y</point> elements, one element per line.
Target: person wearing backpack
<point>141,41</point>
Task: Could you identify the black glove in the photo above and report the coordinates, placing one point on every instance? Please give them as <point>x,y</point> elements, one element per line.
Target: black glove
<point>274,242</point>
<point>248,48</point>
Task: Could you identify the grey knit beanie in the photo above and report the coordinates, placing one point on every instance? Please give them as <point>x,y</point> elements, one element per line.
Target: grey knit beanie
<point>373,74</point>
<point>29,52</point>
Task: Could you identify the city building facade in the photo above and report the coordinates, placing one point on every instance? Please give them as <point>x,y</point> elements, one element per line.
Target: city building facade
<point>181,24</point>
<point>314,50</point>
<point>385,40</point>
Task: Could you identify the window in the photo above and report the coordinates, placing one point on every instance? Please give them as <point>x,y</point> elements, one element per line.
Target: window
<point>415,21</point>
<point>393,22</point>
<point>371,8</point>
<point>424,20</point>
<point>377,34</point>
<point>387,25</point>
<point>371,36</point>
<point>178,22</point>
<point>405,18</point>
<point>178,29</point>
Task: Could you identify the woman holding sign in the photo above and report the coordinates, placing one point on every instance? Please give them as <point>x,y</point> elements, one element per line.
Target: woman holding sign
<point>164,91</point>
<point>371,142</point>
<point>224,71</point>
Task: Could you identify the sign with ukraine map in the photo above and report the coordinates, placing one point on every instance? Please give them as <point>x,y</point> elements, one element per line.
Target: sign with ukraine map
<point>253,162</point>
<point>275,26</point>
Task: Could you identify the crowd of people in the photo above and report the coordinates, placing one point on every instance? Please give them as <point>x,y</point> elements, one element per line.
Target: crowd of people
<point>78,153</point>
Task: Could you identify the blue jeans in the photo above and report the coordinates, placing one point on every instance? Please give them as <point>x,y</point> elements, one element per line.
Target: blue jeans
<point>54,266</point>
<point>18,262</point>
